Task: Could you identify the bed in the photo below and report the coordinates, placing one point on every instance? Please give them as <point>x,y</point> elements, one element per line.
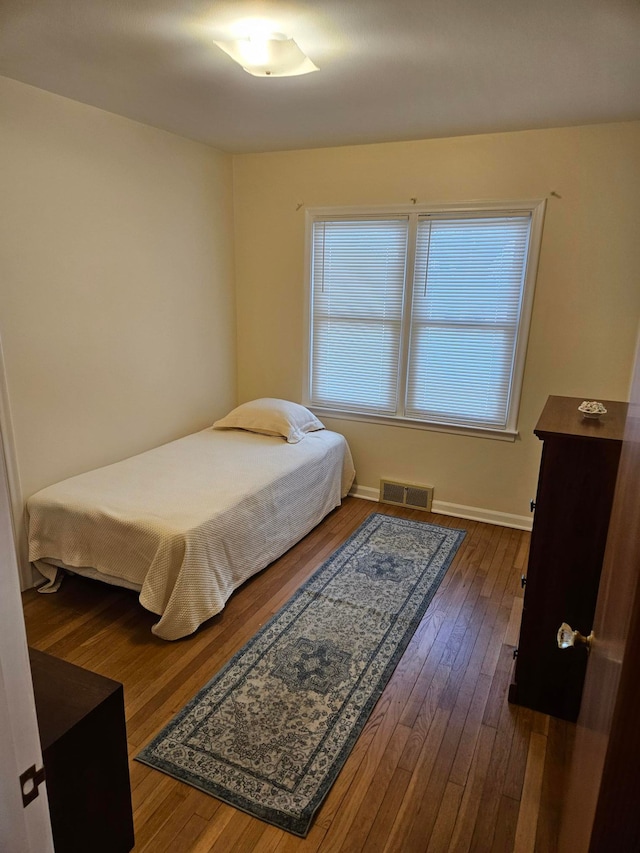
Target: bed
<point>187,523</point>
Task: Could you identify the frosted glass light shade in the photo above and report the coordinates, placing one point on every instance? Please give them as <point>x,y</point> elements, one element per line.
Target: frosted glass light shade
<point>272,56</point>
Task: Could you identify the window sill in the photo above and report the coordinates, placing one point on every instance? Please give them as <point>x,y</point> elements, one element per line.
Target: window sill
<point>452,429</point>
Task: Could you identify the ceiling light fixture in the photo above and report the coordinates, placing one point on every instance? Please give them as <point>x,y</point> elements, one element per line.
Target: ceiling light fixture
<point>268,55</point>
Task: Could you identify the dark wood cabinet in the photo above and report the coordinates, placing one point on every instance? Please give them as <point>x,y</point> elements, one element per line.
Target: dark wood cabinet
<point>572,509</point>
<point>84,747</point>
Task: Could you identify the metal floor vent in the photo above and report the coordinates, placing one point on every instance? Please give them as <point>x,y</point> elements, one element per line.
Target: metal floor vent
<point>406,494</point>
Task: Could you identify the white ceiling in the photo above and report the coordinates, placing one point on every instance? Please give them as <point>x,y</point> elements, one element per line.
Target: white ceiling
<point>389,69</point>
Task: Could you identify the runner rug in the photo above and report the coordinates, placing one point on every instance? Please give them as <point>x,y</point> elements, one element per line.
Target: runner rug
<point>271,731</point>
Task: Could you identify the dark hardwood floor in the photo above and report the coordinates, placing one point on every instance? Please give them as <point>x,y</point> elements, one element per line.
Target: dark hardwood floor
<point>444,762</point>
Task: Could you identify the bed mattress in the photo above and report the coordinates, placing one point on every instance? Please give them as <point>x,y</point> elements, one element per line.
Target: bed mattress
<point>188,522</point>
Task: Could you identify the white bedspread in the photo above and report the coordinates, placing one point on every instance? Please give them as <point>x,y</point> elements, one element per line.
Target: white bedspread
<point>190,521</point>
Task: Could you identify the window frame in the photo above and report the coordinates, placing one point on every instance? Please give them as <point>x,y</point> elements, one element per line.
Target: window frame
<point>535,208</point>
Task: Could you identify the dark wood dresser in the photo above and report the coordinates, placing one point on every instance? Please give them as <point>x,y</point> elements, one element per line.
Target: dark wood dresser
<point>572,509</point>
<point>84,747</point>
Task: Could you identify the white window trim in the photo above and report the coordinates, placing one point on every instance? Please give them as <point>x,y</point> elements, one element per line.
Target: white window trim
<point>534,207</point>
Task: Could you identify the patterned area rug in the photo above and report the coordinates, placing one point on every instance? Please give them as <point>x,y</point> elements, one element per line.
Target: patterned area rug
<point>271,731</point>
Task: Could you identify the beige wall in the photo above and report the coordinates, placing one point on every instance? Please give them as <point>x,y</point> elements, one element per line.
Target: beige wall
<point>117,304</point>
<point>117,310</point>
<point>587,302</point>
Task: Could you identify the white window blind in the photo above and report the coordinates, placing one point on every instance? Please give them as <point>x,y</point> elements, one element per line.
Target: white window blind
<point>357,280</point>
<point>467,294</point>
<point>422,315</point>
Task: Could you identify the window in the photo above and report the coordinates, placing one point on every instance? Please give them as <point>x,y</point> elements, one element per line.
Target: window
<point>422,316</point>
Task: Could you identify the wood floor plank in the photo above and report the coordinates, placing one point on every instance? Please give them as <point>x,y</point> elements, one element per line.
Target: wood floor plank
<point>513,628</point>
<point>499,686</point>
<point>494,647</point>
<point>422,726</point>
<point>492,792</point>
<point>442,763</point>
<point>155,811</point>
<point>169,834</point>
<point>387,812</point>
<point>269,841</point>
<point>446,818</point>
<point>469,737</point>
<point>522,555</point>
<point>383,724</point>
<point>368,805</point>
<point>413,795</point>
<point>497,533</point>
<point>505,833</point>
<point>548,826</point>
<point>470,805</point>
<point>434,652</point>
<point>183,842</point>
<point>181,827</point>
<point>310,844</point>
<point>424,816</point>
<point>365,744</point>
<point>514,777</point>
<point>208,839</point>
<point>531,792</point>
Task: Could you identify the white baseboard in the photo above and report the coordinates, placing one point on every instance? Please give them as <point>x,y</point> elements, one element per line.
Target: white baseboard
<point>473,513</point>
<point>365,492</point>
<point>490,516</point>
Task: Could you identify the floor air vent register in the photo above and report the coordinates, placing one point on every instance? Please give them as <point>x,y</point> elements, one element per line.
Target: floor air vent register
<point>406,494</point>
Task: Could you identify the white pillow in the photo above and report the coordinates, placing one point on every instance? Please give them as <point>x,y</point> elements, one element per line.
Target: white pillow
<point>269,416</point>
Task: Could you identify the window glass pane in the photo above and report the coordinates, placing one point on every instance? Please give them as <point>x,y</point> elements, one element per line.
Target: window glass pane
<point>475,269</point>
<point>460,375</point>
<point>360,354</point>
<point>467,296</point>
<point>358,274</point>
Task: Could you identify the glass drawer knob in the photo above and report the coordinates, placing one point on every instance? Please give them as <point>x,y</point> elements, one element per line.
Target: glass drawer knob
<point>568,638</point>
